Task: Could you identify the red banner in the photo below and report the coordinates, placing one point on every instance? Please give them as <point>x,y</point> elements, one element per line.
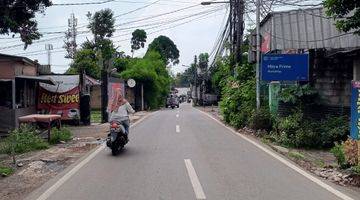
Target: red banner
<point>62,99</point>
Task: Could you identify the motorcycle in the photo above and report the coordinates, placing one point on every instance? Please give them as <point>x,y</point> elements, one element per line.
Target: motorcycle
<point>117,138</point>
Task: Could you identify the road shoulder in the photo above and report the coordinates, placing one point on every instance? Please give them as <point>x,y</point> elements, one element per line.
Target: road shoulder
<point>340,191</point>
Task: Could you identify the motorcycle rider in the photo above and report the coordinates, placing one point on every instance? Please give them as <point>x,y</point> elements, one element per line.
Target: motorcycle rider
<point>120,109</point>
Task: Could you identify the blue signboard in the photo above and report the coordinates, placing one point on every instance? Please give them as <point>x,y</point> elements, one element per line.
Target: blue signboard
<point>285,67</point>
<point>355,109</point>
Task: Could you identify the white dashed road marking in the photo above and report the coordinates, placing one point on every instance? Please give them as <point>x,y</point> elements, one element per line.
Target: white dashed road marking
<point>177,128</point>
<point>199,192</point>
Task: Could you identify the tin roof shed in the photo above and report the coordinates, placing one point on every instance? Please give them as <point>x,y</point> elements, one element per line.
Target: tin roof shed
<point>303,29</point>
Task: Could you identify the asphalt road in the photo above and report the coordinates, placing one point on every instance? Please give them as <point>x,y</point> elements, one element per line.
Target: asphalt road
<point>182,154</point>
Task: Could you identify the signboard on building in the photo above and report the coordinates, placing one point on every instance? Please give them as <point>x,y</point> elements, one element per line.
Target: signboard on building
<point>285,67</point>
<point>355,109</point>
<point>62,98</point>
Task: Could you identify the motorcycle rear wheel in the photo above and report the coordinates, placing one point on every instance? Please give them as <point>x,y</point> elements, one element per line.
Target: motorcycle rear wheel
<point>115,150</point>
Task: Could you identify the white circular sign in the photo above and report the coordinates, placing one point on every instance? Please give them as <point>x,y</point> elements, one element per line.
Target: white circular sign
<point>131,83</point>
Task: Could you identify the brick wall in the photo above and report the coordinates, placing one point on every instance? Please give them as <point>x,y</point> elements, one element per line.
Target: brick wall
<point>332,76</point>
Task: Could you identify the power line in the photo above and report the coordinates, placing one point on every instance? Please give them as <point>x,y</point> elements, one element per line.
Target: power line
<point>202,14</point>
<point>171,27</point>
<point>129,22</point>
<point>137,9</point>
<point>220,36</point>
<point>83,3</point>
<point>158,15</point>
<point>165,22</point>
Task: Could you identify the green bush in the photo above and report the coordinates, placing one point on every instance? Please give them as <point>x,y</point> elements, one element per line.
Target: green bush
<point>296,131</point>
<point>338,151</point>
<point>289,125</point>
<point>333,129</point>
<point>58,135</point>
<point>21,140</point>
<point>299,95</point>
<point>260,119</point>
<point>6,171</point>
<point>306,137</point>
<point>356,169</point>
<point>238,102</point>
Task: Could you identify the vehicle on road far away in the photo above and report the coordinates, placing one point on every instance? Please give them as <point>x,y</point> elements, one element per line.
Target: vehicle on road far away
<point>172,101</point>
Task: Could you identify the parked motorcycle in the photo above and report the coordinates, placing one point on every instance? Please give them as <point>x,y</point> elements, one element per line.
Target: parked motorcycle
<point>117,138</point>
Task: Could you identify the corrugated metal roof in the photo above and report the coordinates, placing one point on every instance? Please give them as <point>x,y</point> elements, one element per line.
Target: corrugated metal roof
<point>18,58</point>
<point>305,29</point>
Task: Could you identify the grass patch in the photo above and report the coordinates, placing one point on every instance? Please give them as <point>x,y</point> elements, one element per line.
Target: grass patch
<point>58,135</point>
<point>296,155</point>
<point>319,163</point>
<point>6,171</point>
<point>95,116</point>
<point>265,141</point>
<point>22,140</point>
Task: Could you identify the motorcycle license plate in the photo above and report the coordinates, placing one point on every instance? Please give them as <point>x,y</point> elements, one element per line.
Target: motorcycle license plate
<point>113,136</point>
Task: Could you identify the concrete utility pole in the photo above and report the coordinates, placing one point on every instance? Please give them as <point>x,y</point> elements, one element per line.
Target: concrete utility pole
<point>71,34</point>
<point>231,17</point>
<point>195,79</point>
<point>240,10</point>
<point>142,97</point>
<point>236,16</point>
<point>258,4</point>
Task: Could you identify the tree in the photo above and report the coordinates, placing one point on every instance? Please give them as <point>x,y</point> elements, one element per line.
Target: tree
<point>101,24</point>
<point>167,49</point>
<point>346,12</point>
<point>138,40</point>
<point>85,60</point>
<point>203,61</point>
<point>17,17</point>
<point>152,73</point>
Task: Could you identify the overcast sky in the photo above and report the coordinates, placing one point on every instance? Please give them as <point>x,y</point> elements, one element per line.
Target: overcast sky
<point>192,37</point>
<point>192,34</point>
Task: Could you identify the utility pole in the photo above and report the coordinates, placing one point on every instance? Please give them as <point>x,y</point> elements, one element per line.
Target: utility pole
<point>104,88</point>
<point>236,15</point>
<point>142,97</point>
<point>240,10</point>
<point>48,48</point>
<point>195,79</point>
<point>258,4</point>
<point>70,43</point>
<point>231,32</point>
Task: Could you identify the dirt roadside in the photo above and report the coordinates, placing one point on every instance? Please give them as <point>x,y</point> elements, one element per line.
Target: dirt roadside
<point>36,168</point>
